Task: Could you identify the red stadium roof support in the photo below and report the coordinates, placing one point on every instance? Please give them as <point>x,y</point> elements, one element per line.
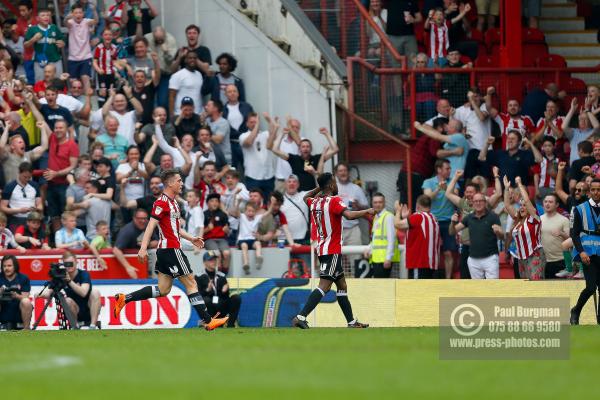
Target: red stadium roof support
<point>510,34</point>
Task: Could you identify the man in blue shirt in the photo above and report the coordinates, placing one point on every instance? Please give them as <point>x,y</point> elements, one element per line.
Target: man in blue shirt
<point>442,209</point>
<point>514,161</point>
<point>15,306</point>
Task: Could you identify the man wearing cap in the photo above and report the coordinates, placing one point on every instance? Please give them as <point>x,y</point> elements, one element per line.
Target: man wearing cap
<point>187,121</point>
<point>216,229</point>
<point>29,235</point>
<point>187,82</point>
<point>214,288</point>
<point>20,197</point>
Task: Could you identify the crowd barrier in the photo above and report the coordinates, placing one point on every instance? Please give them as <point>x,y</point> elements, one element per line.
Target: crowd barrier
<point>274,302</point>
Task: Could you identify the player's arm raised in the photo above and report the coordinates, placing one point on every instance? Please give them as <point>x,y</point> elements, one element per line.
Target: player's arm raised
<point>357,214</point>
<point>311,194</point>
<point>143,253</point>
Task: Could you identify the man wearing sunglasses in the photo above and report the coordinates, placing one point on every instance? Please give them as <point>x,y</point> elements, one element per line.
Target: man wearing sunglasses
<point>20,197</point>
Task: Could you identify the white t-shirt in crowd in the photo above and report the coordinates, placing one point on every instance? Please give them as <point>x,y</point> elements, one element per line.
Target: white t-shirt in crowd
<point>297,217</point>
<point>228,201</point>
<point>187,84</point>
<point>126,125</point>
<point>234,116</point>
<point>66,101</point>
<point>282,168</point>
<point>248,227</point>
<point>478,130</point>
<point>350,192</point>
<point>259,162</point>
<point>135,183</point>
<point>552,244</point>
<point>194,220</point>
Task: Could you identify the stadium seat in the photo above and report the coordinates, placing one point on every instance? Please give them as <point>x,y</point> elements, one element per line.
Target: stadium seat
<point>535,50</point>
<point>532,35</point>
<point>492,37</point>
<point>552,61</point>
<point>487,61</point>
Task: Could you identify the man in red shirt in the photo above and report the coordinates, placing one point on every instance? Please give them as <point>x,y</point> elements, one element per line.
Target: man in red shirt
<point>326,211</point>
<point>423,238</point>
<point>171,262</point>
<point>62,159</point>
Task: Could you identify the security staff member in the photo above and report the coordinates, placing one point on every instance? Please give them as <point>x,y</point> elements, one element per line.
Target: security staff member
<point>586,240</point>
<point>384,242</point>
<point>214,288</point>
<point>18,309</point>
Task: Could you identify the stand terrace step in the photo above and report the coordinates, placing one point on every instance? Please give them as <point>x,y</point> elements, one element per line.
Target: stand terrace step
<point>559,10</point>
<point>583,61</point>
<point>566,37</point>
<point>574,50</point>
<point>562,24</point>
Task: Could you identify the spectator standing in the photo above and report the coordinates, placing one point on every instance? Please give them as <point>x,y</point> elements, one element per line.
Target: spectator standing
<point>514,161</point>
<point>485,230</point>
<point>115,145</point>
<point>227,64</point>
<point>21,197</point>
<point>511,119</point>
<point>422,238</point>
<point>248,232</point>
<point>46,40</point>
<point>97,209</point>
<point>535,102</point>
<point>354,197</point>
<point>140,61</point>
<point>144,203</point>
<point>116,106</point>
<point>259,163</point>
<point>203,57</point>
<point>454,84</point>
<point>7,239</point>
<point>158,116</point>
<point>236,194</point>
<point>588,128</point>
<point>554,231</point>
<point>402,17</point>
<point>584,158</point>
<point>551,125</point>
<point>216,230</point>
<point>75,195</point>
<point>187,82</point>
<point>30,235</point>
<point>136,15</point>
<point>544,173</point>
<point>15,154</point>
<point>443,109</point>
<point>305,165</point>
<point>105,65</point>
<point>526,233</point>
<point>220,127</point>
<point>236,112</point>
<point>194,218</point>
<point>487,11</point>
<point>102,240</point>
<point>475,119</point>
<point>273,225</point>
<point>135,173</point>
<point>439,27</point>
<point>69,236</point>
<point>144,90</point>
<point>214,288</point>
<point>442,209</point>
<point>383,249</point>
<point>296,211</point>
<point>25,20</point>
<point>289,144</point>
<point>164,45</point>
<point>80,52</point>
<point>187,121</point>
<point>456,146</point>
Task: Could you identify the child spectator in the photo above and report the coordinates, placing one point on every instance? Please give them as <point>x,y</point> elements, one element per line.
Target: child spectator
<point>105,55</point>
<point>46,40</point>
<point>544,173</point>
<point>216,229</point>
<point>248,233</point>
<point>194,218</point>
<point>438,27</point>
<point>30,236</point>
<point>7,240</point>
<point>80,53</point>
<point>101,240</point>
<point>69,236</point>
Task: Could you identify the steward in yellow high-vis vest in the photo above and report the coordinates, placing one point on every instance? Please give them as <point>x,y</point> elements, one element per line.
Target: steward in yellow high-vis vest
<point>384,242</point>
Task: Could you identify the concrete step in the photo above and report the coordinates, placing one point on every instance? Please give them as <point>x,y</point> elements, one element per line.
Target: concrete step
<point>565,37</point>
<point>555,2</point>
<point>587,78</point>
<point>582,61</point>
<point>562,24</point>
<point>559,10</point>
<point>575,50</point>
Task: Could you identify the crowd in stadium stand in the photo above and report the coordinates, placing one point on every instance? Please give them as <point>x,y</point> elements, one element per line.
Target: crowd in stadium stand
<point>83,148</point>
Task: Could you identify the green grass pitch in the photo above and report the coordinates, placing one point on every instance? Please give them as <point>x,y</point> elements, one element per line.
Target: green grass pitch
<point>278,364</point>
